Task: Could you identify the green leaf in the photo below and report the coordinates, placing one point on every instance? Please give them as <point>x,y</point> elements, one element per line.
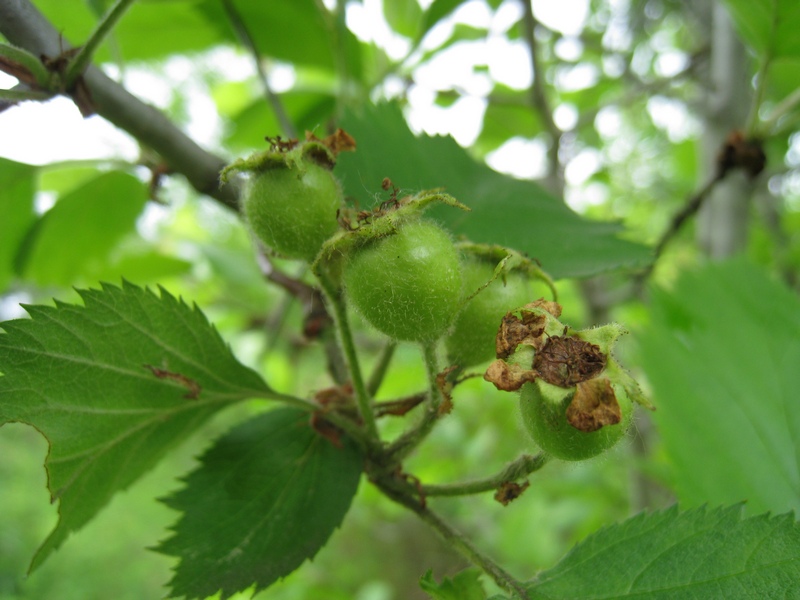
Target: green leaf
<point>437,11</point>
<point>266,497</point>
<point>514,213</point>
<point>305,109</point>
<point>504,120</point>
<point>112,386</point>
<point>149,30</point>
<point>404,16</point>
<point>722,355</point>
<point>696,554</point>
<point>18,187</point>
<point>465,585</point>
<point>78,233</point>
<point>769,26</point>
<point>298,31</point>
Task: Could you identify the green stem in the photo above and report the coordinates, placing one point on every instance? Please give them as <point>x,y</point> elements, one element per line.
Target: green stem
<point>24,66</point>
<point>243,32</point>
<point>351,357</point>
<point>406,443</point>
<point>377,375</point>
<point>459,542</point>
<point>23,95</point>
<point>784,107</point>
<point>751,129</point>
<point>521,467</point>
<point>77,65</point>
<point>340,421</point>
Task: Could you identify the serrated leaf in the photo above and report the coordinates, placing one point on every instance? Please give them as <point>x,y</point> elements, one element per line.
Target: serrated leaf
<point>112,386</point>
<point>722,355</point>
<point>465,585</point>
<point>672,555</point>
<point>266,497</point>
<point>514,213</point>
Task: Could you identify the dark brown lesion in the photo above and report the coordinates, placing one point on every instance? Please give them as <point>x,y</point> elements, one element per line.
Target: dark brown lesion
<point>191,385</point>
<point>566,361</point>
<point>594,406</point>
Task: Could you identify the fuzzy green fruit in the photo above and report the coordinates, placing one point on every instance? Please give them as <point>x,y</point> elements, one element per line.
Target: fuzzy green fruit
<point>472,338</point>
<point>407,284</point>
<point>544,414</point>
<point>293,210</point>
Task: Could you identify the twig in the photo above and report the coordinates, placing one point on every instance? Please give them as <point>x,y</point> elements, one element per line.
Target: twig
<point>524,465</point>
<point>15,95</point>
<point>314,307</point>
<point>348,346</point>
<point>24,26</point>
<point>244,36</point>
<point>691,207</point>
<point>78,63</point>
<point>406,443</point>
<point>457,540</point>
<point>379,372</point>
<point>539,98</point>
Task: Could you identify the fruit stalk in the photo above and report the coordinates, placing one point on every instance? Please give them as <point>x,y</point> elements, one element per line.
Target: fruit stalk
<point>351,357</point>
<point>457,540</point>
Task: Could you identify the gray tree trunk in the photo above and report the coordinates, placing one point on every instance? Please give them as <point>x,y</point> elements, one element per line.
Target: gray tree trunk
<point>722,224</point>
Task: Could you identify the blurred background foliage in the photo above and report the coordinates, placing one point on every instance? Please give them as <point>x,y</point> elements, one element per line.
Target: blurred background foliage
<point>578,130</point>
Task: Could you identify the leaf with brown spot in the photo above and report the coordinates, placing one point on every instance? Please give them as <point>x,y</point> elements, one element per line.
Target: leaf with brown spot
<point>566,361</point>
<point>75,374</point>
<point>594,406</point>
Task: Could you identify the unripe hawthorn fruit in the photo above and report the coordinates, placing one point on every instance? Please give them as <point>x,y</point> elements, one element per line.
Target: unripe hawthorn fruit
<point>292,209</point>
<point>544,408</point>
<point>407,284</point>
<point>472,338</point>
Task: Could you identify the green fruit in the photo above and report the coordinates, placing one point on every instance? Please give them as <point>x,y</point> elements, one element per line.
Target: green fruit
<point>544,413</point>
<point>293,210</point>
<point>407,284</point>
<point>472,339</point>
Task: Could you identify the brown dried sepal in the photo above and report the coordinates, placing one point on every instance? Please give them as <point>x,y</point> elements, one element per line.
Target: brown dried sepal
<point>515,331</point>
<point>336,397</point>
<point>508,378</point>
<point>510,491</point>
<point>399,408</point>
<point>338,141</point>
<point>594,406</point>
<point>554,308</point>
<point>566,361</point>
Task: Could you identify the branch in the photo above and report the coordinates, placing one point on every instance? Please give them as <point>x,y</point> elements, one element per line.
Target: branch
<point>521,467</point>
<point>24,26</point>
<point>457,540</point>
<point>540,101</point>
<point>244,35</point>
<point>83,58</point>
